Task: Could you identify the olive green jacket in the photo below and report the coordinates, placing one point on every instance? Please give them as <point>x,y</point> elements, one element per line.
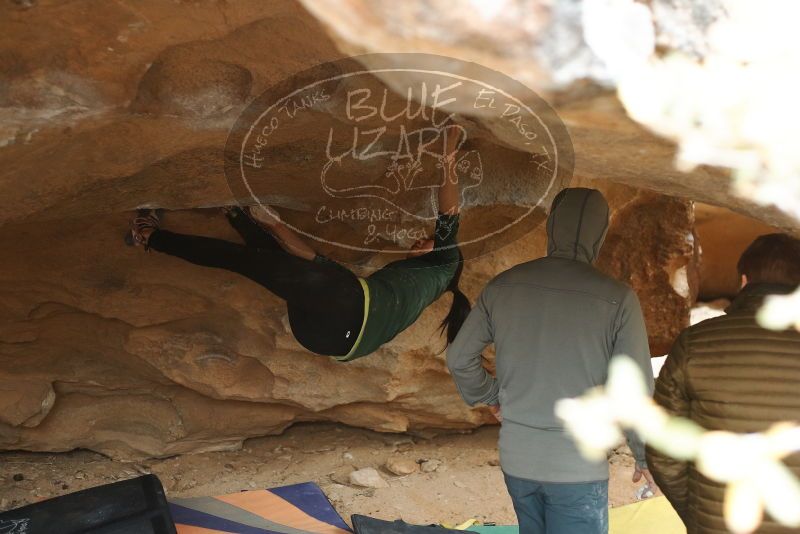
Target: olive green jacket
<point>726,373</point>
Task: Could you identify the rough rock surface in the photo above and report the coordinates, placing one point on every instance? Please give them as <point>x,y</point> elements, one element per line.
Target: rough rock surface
<point>550,47</point>
<point>104,109</point>
<point>651,247</point>
<point>130,353</point>
<point>108,108</point>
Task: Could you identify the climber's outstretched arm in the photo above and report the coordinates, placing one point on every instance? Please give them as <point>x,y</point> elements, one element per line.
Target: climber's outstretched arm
<point>286,237</point>
<point>448,192</point>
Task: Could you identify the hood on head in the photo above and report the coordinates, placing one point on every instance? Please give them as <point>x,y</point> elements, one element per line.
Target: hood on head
<point>577,224</point>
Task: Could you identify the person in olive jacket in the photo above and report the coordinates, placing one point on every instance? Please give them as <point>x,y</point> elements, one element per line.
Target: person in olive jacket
<point>728,373</point>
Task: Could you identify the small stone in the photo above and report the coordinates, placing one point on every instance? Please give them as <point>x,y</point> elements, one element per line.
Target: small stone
<point>320,450</point>
<point>401,466</point>
<point>228,467</point>
<point>368,478</point>
<point>494,462</point>
<point>19,477</point>
<point>429,466</point>
<point>348,457</point>
<point>459,484</point>
<point>64,486</point>
<point>80,475</point>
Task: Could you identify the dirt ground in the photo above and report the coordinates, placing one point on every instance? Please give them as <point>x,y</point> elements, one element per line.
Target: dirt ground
<point>466,484</point>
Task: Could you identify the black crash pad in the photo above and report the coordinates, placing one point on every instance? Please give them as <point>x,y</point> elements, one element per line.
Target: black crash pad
<point>136,506</point>
<point>368,525</point>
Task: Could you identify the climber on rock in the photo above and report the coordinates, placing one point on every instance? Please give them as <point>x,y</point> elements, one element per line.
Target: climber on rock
<point>332,311</point>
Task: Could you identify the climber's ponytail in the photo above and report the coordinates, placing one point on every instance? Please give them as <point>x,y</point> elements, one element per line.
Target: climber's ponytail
<point>460,307</point>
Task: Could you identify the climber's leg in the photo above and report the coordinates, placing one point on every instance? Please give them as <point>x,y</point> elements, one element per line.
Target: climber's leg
<point>253,234</point>
<point>324,299</point>
<point>305,284</point>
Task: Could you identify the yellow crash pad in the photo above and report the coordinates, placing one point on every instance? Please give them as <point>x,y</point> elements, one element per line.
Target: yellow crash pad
<point>651,516</point>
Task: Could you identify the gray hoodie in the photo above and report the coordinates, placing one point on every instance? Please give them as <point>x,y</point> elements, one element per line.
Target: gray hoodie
<point>555,323</point>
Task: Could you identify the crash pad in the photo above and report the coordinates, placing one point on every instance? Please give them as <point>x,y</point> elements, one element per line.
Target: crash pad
<point>296,509</point>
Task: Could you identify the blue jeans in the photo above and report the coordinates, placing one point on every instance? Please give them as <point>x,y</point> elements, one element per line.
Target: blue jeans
<point>551,508</point>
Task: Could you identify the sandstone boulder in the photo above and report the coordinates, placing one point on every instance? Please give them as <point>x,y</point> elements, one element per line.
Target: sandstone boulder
<point>108,107</point>
<point>132,105</point>
<point>550,47</point>
<point>150,356</point>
